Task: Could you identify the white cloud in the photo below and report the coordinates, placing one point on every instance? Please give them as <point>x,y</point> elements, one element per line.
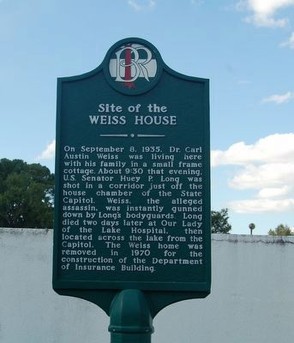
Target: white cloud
<point>196,2</point>
<point>262,205</point>
<point>274,192</point>
<point>267,167</point>
<point>263,12</point>
<point>140,5</point>
<point>273,148</point>
<point>290,42</point>
<point>48,153</point>
<point>264,176</point>
<point>244,82</point>
<point>279,98</point>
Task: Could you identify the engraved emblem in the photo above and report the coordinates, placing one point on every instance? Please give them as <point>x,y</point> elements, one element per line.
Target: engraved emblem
<point>133,67</point>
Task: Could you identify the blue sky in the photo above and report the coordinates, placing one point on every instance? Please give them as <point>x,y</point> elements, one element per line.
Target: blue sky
<point>245,48</point>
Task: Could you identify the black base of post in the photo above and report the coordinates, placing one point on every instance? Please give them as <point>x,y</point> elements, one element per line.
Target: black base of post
<point>130,338</point>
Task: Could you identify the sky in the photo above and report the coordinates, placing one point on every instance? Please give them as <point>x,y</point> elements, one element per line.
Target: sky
<point>245,48</point>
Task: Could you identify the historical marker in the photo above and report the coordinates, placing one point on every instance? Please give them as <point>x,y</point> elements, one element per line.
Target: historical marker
<point>132,207</point>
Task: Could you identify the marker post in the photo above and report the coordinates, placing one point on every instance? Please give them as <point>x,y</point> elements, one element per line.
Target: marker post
<point>130,318</point>
<point>132,200</point>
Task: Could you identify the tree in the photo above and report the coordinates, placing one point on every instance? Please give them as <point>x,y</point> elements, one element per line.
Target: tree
<point>251,227</point>
<point>219,221</point>
<point>26,195</point>
<point>281,230</point>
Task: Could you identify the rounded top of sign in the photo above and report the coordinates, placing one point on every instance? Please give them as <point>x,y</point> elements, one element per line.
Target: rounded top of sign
<point>132,66</point>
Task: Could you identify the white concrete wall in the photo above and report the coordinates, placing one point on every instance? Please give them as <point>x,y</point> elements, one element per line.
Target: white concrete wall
<point>252,296</point>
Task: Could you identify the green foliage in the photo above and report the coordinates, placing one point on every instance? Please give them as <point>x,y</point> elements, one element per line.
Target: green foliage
<point>281,230</point>
<point>26,195</point>
<point>251,226</point>
<point>220,221</point>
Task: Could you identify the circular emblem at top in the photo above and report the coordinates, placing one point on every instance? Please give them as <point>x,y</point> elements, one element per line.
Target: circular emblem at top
<point>133,66</point>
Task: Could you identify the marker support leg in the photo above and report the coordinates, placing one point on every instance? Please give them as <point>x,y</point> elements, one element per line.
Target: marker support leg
<point>130,318</point>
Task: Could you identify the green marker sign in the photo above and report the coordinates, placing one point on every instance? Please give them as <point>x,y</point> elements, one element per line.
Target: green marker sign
<point>132,206</point>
